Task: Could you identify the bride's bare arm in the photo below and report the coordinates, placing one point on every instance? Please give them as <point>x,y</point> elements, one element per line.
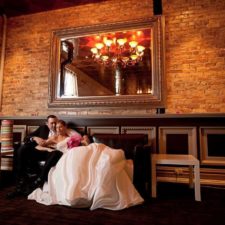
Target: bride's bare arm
<point>38,140</point>
<point>42,148</point>
<point>50,141</point>
<point>47,145</point>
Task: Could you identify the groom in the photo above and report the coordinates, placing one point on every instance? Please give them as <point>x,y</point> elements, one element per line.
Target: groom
<point>27,156</point>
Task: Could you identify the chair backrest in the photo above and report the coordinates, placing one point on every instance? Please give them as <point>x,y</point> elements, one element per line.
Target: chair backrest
<point>127,142</point>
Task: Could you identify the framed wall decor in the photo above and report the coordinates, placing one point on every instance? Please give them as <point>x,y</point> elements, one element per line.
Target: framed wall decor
<point>119,65</point>
<point>178,140</point>
<point>212,145</point>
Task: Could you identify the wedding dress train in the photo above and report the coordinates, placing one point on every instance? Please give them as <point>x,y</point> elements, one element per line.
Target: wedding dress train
<point>93,176</point>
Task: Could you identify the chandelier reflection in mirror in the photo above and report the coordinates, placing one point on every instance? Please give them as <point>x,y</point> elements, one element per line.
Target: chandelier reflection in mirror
<point>117,63</point>
<point>122,48</point>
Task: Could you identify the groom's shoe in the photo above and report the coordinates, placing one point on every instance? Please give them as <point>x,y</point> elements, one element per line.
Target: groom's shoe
<point>18,190</point>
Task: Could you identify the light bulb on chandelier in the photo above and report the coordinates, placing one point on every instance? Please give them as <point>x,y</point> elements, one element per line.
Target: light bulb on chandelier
<point>116,50</point>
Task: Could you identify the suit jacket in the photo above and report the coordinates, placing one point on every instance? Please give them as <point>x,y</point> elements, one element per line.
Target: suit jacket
<point>42,132</point>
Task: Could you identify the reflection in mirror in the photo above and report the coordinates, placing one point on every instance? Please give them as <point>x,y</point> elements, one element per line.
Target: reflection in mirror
<point>117,63</point>
<point>108,65</point>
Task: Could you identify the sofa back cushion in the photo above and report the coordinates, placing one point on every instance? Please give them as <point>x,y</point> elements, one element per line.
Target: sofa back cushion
<point>127,142</point>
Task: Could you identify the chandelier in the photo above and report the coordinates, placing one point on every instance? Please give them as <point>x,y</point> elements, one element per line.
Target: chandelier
<point>121,48</point>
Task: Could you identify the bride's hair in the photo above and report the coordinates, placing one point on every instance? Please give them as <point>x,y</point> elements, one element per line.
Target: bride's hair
<point>62,122</point>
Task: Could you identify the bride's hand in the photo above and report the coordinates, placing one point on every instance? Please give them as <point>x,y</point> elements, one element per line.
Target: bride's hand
<point>85,140</point>
<point>39,140</point>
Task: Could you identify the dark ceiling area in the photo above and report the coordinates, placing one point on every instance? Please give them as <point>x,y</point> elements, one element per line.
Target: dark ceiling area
<point>13,8</point>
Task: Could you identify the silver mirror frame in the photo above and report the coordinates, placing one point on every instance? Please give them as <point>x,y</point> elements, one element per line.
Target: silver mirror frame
<point>154,100</point>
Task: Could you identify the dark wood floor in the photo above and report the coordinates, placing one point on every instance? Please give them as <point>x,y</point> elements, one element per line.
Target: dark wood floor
<point>175,205</point>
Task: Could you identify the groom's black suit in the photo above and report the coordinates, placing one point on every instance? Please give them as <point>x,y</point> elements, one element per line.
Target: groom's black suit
<point>26,159</point>
<point>26,156</point>
<point>42,132</point>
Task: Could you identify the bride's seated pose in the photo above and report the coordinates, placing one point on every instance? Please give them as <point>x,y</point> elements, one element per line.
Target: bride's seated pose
<point>93,176</point>
<point>65,138</point>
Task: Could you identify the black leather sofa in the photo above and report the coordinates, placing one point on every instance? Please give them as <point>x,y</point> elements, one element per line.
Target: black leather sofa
<point>136,148</point>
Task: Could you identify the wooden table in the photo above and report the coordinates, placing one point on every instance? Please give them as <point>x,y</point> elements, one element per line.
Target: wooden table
<point>184,160</point>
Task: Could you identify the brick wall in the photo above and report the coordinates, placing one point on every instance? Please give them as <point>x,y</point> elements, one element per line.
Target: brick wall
<point>195,55</point>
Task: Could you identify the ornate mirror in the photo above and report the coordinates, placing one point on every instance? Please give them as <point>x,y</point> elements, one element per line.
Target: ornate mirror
<point>119,65</point>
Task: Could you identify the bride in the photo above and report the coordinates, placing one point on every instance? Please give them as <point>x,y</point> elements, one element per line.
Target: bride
<point>93,176</point>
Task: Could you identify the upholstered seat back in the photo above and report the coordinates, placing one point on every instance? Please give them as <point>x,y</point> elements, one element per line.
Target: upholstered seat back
<point>135,147</point>
<point>127,142</point>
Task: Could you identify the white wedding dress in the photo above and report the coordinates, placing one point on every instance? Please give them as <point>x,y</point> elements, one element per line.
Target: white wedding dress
<point>93,176</point>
